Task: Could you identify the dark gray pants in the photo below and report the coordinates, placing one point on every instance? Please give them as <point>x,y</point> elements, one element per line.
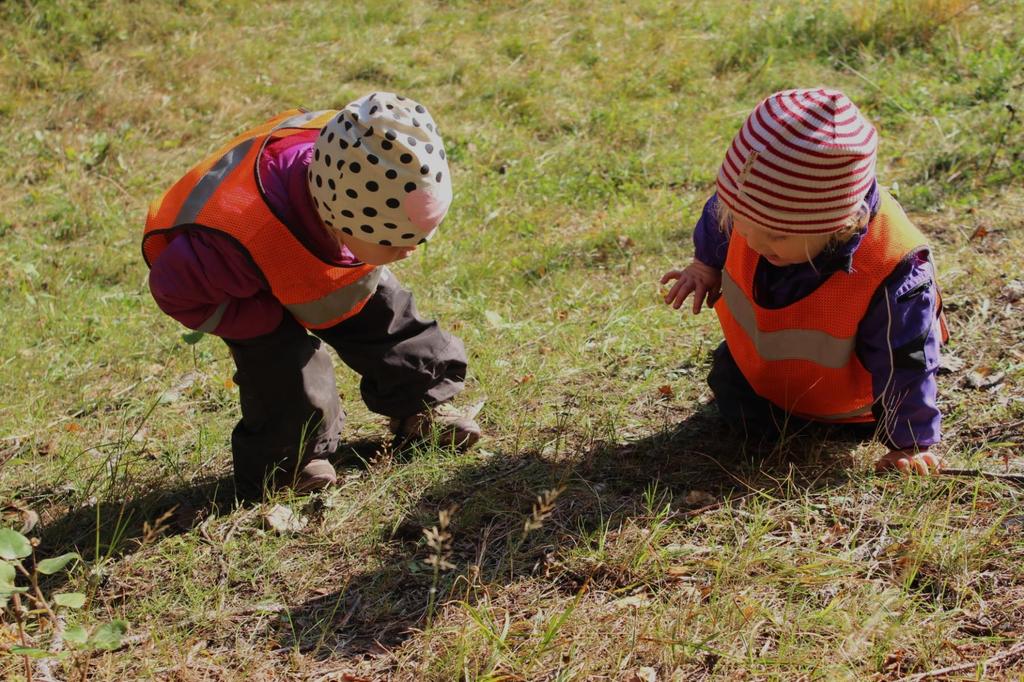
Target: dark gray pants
<point>290,407</point>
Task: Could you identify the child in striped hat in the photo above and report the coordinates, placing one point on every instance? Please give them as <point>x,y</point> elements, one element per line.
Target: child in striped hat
<point>825,291</point>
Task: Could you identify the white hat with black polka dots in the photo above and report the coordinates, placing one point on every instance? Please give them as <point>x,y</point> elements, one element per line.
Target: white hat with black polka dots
<point>379,172</point>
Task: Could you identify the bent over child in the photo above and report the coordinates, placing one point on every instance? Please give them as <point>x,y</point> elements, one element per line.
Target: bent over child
<point>286,230</point>
<point>825,291</point>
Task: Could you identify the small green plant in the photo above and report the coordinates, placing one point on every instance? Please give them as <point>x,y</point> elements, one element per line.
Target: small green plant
<point>42,623</point>
<point>191,339</point>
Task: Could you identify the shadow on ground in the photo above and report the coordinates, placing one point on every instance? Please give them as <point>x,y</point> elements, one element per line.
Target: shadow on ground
<point>117,528</point>
<point>604,484</point>
<point>114,529</point>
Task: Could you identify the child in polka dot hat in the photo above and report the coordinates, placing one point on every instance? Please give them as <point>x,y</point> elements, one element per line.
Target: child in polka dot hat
<point>278,243</point>
<point>379,176</point>
<point>825,291</point>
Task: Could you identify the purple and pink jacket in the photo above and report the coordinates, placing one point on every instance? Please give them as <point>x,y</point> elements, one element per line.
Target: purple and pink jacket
<point>200,270</point>
<point>902,360</point>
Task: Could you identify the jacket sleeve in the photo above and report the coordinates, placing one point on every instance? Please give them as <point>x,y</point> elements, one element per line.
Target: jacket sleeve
<point>207,283</point>
<point>710,243</point>
<point>898,342</point>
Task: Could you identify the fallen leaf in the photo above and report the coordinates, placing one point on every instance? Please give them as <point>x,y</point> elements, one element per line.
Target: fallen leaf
<point>896,548</point>
<point>1013,523</point>
<point>637,600</point>
<point>1013,290</point>
<point>174,393</point>
<point>699,498</point>
<point>983,308</point>
<point>980,381</point>
<point>27,517</point>
<point>644,674</point>
<point>471,411</point>
<point>833,534</point>
<point>688,549</point>
<point>284,520</point>
<point>949,363</point>
<point>494,319</point>
<point>893,662</point>
<point>666,391</point>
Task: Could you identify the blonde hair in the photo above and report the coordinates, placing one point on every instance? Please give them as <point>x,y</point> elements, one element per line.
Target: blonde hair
<point>857,222</point>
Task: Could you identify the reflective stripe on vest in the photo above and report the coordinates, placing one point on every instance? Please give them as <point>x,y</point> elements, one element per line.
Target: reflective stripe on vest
<point>843,416</point>
<point>323,312</point>
<point>223,193</point>
<point>209,183</point>
<point>786,344</point>
<point>301,119</point>
<point>210,325</point>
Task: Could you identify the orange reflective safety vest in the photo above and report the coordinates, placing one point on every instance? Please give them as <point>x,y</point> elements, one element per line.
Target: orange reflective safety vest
<point>224,193</point>
<point>803,357</point>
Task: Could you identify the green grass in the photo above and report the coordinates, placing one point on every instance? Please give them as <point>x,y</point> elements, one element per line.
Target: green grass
<point>584,139</point>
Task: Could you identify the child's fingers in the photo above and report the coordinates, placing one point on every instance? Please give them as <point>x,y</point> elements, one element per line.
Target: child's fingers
<point>670,296</point>
<point>906,462</point>
<point>680,291</point>
<point>699,292</point>
<point>893,460</point>
<point>670,275</point>
<point>683,290</point>
<point>928,464</point>
<point>922,463</point>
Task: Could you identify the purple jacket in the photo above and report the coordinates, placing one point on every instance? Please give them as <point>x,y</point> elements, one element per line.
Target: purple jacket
<point>902,360</point>
<point>201,270</point>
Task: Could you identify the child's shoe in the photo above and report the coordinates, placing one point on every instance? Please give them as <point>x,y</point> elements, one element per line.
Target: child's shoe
<point>316,475</point>
<point>453,426</point>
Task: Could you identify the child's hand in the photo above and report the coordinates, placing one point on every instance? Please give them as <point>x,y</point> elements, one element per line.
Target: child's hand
<point>703,281</point>
<point>910,462</point>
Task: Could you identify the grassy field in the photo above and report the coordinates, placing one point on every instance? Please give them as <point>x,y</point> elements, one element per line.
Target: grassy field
<point>609,527</point>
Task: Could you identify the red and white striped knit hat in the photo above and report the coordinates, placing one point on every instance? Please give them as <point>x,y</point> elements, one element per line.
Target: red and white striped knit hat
<point>801,164</point>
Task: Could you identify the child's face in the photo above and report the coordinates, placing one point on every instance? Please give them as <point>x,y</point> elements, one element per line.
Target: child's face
<point>778,248</point>
<point>375,254</point>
